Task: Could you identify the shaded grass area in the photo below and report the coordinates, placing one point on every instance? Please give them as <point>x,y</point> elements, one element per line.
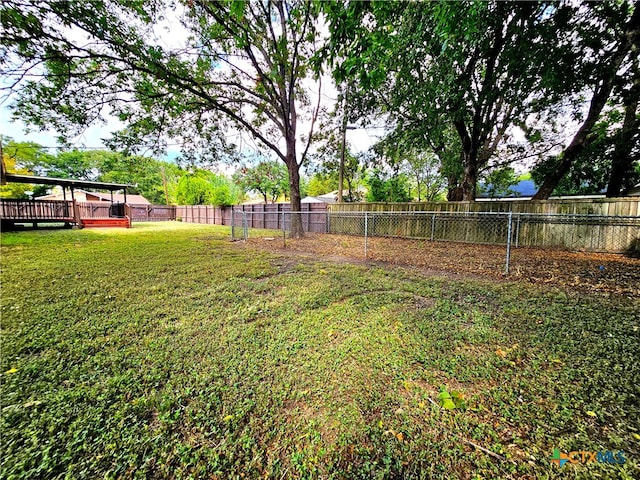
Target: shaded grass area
<point>166,351</point>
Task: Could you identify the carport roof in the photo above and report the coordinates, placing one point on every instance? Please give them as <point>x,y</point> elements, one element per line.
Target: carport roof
<point>65,182</point>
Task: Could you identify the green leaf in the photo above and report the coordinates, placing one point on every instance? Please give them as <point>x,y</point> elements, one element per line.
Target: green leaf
<point>448,404</point>
<point>237,9</point>
<point>445,399</point>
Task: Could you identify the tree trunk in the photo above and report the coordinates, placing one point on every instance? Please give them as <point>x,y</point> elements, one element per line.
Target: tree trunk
<point>470,180</point>
<point>349,189</point>
<point>553,178</point>
<point>418,186</point>
<point>294,190</point>
<point>469,157</point>
<point>622,164</point>
<point>454,192</point>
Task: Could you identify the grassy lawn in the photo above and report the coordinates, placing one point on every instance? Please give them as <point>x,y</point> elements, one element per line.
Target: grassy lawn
<point>166,351</point>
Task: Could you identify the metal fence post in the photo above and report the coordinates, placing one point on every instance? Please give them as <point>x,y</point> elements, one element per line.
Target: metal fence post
<point>284,230</point>
<point>433,226</point>
<point>245,226</point>
<point>232,223</point>
<point>366,232</point>
<point>509,228</point>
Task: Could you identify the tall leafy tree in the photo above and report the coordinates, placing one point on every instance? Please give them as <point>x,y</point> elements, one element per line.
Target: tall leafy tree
<point>333,159</point>
<point>609,162</point>
<point>615,45</point>
<point>417,160</point>
<point>387,186</point>
<point>154,179</point>
<point>477,68</point>
<point>21,158</point>
<point>321,183</point>
<point>269,178</point>
<point>424,170</point>
<point>498,182</point>
<point>77,164</point>
<point>625,154</point>
<point>326,161</point>
<point>151,177</point>
<point>202,187</point>
<point>239,65</point>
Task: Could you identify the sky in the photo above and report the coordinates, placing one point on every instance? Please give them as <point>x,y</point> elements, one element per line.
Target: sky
<point>91,139</point>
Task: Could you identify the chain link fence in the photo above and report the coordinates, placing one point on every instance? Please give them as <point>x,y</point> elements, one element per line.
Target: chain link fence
<point>597,233</point>
<point>276,223</point>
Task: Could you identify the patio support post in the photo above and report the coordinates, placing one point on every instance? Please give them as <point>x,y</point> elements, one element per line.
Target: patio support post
<point>76,214</point>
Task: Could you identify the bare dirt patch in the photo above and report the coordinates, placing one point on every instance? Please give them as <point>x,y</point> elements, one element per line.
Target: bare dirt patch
<point>575,271</point>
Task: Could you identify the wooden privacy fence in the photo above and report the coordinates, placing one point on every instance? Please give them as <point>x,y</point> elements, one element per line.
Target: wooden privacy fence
<point>150,213</point>
<point>207,214</point>
<point>277,216</point>
<point>137,213</point>
<point>94,209</point>
<point>274,216</point>
<point>626,206</point>
<point>605,225</point>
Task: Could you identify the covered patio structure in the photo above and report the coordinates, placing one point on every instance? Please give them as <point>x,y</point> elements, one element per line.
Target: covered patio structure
<point>66,211</point>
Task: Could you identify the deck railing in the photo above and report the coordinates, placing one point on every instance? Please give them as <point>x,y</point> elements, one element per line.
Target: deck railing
<point>29,210</point>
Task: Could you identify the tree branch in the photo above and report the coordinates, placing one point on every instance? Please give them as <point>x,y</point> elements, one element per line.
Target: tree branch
<point>313,121</point>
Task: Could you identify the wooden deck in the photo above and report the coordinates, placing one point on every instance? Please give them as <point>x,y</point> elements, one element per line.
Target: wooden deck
<point>70,213</point>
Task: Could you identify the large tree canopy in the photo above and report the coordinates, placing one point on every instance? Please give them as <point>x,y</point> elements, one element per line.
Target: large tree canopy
<point>615,50</point>
<point>202,187</point>
<point>239,66</point>
<point>476,68</point>
<point>20,158</point>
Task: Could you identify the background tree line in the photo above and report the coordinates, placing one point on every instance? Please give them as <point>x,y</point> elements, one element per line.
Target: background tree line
<point>163,182</point>
<point>158,181</point>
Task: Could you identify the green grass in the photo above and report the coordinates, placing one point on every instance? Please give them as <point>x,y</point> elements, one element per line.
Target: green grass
<point>168,351</point>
